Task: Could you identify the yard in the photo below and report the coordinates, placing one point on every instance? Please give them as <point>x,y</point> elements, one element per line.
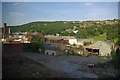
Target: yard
<point>75,66</point>
<point>18,66</point>
<point>36,65</point>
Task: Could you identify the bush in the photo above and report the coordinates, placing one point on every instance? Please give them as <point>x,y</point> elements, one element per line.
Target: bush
<point>36,43</point>
<point>84,54</point>
<point>87,43</point>
<point>81,47</point>
<point>28,47</point>
<point>113,53</point>
<point>116,59</point>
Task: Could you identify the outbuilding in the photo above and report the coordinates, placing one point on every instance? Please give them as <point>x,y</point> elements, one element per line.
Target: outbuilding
<point>102,48</point>
<point>50,49</point>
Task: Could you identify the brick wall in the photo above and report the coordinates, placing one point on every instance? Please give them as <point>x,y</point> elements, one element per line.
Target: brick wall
<point>16,47</point>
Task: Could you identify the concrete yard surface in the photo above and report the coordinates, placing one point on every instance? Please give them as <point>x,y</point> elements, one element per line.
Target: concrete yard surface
<point>66,64</point>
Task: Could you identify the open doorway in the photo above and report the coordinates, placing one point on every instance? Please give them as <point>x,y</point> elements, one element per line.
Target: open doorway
<point>91,51</point>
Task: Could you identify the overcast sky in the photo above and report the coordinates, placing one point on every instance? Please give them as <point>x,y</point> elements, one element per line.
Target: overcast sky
<point>17,13</point>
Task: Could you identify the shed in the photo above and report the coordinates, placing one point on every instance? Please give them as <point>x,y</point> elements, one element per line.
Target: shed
<point>102,48</point>
<point>50,49</point>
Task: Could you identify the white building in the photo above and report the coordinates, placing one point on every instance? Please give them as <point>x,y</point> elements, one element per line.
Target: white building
<point>75,31</point>
<point>72,41</point>
<point>57,34</point>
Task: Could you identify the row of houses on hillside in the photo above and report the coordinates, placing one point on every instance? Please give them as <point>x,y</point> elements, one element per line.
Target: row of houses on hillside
<point>21,37</point>
<point>68,40</point>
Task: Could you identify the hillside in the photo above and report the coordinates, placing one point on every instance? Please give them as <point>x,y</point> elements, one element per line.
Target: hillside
<point>85,28</point>
<point>42,27</point>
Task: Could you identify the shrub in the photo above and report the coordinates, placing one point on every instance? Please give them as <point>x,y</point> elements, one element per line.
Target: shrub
<point>113,53</point>
<point>87,43</point>
<point>81,47</point>
<point>36,43</point>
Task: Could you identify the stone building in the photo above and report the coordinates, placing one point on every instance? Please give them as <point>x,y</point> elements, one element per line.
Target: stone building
<point>50,49</point>
<point>102,48</point>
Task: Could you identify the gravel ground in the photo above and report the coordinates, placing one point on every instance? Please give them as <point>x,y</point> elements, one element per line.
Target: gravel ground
<point>66,64</point>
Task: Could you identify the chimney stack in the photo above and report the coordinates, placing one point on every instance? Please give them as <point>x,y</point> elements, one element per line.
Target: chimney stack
<point>4,30</point>
<point>9,31</point>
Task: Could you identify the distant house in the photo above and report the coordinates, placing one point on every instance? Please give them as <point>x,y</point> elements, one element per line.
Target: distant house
<point>57,34</point>
<point>52,37</point>
<point>28,37</point>
<point>102,48</point>
<point>18,35</point>
<point>69,30</point>
<point>50,49</point>
<point>81,41</point>
<point>39,34</point>
<point>62,41</point>
<point>17,40</point>
<point>72,40</point>
<point>75,31</point>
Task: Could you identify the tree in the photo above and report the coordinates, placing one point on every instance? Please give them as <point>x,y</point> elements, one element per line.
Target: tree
<point>97,33</point>
<point>72,34</point>
<point>81,47</point>
<point>66,33</point>
<point>52,41</point>
<point>87,43</point>
<point>82,33</point>
<point>111,36</point>
<point>118,42</point>
<point>113,53</point>
<point>37,42</point>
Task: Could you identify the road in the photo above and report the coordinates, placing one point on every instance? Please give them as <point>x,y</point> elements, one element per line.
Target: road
<point>66,64</point>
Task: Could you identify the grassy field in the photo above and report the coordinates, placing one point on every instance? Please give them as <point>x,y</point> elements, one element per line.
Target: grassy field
<point>99,38</point>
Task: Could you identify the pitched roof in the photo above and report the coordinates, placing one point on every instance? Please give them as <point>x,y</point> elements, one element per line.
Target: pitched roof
<point>39,34</point>
<point>99,44</point>
<point>68,37</point>
<point>29,35</point>
<point>82,40</point>
<point>50,47</point>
